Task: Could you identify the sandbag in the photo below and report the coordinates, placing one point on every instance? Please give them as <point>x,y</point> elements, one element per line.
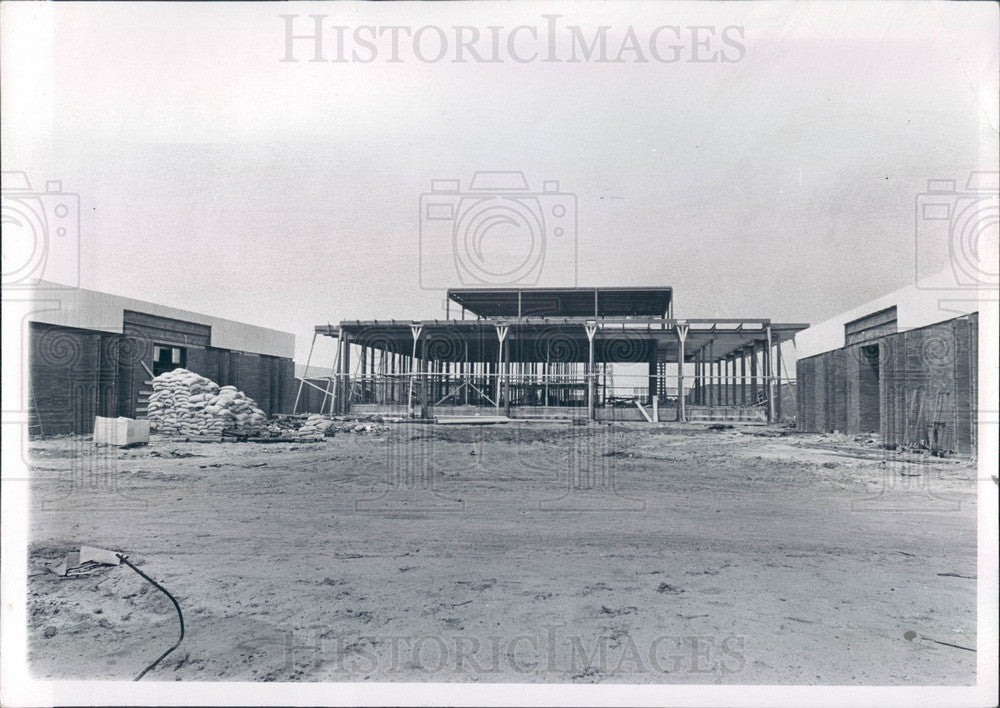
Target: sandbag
<point>184,403</point>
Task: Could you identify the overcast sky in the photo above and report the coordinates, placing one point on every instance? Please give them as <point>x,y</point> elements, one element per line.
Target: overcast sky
<point>217,178</point>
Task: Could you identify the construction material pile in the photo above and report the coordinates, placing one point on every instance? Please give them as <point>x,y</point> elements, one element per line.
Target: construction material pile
<point>316,427</point>
<point>184,403</point>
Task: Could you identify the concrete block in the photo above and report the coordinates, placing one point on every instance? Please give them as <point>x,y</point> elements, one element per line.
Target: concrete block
<point>121,431</point>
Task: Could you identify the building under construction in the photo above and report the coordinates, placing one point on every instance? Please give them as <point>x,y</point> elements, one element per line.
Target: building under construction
<point>904,366</point>
<point>562,352</point>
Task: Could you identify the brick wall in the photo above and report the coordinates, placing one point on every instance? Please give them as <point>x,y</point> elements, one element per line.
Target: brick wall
<point>77,374</point>
<point>921,378</point>
<point>67,386</point>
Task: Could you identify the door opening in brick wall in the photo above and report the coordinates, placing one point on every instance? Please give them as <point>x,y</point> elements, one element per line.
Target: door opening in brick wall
<point>167,358</point>
<point>868,388</point>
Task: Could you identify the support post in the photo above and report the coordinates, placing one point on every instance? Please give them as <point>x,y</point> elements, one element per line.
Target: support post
<point>364,373</point>
<point>777,398</point>
<point>305,375</point>
<point>508,373</point>
<point>769,378</point>
<point>696,389</point>
<point>426,379</point>
<point>717,383</point>
<point>502,338</point>
<point>743,377</point>
<point>415,330</point>
<point>547,371</point>
<point>591,328</point>
<point>652,372</point>
<point>392,378</point>
<point>345,371</point>
<point>466,378</point>
<point>731,383</point>
<point>735,393</point>
<point>682,332</point>
<point>711,374</point>
<point>724,380</point>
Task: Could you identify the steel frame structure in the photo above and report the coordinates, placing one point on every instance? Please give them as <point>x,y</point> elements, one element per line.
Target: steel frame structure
<point>503,361</point>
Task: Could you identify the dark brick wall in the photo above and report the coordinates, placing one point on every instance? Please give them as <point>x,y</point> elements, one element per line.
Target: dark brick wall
<point>286,383</point>
<point>805,413</point>
<point>868,396</point>
<point>67,386</point>
<point>266,379</point>
<point>165,330</point>
<point>925,378</point>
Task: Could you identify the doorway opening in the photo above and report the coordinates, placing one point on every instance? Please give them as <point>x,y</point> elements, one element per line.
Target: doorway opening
<point>870,408</point>
<point>167,358</point>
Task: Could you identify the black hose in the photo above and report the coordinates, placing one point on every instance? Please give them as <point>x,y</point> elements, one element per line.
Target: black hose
<point>180,616</point>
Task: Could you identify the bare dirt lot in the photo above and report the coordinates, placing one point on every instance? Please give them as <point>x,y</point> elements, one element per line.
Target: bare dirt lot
<point>528,552</point>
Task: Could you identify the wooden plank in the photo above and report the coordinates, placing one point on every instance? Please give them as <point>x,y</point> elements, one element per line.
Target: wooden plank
<point>471,419</point>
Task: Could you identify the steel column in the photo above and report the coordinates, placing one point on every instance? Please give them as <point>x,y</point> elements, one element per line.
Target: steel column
<point>502,350</point>
<point>415,331</point>
<point>682,332</point>
<point>591,329</point>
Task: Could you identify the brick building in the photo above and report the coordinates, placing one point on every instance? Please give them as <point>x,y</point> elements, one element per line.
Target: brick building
<point>904,366</point>
<point>94,354</point>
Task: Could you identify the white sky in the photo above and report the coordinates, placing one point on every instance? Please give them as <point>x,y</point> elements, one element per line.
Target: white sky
<point>215,178</point>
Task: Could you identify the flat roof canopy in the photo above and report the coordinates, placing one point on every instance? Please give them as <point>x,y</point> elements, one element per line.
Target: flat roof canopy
<point>564,340</point>
<point>564,302</point>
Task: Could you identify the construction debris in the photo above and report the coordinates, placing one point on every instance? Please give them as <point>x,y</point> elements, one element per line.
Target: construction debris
<point>84,561</point>
<point>184,403</point>
<point>471,419</point>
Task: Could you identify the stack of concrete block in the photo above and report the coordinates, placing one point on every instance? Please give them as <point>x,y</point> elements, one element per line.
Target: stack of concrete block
<point>184,403</point>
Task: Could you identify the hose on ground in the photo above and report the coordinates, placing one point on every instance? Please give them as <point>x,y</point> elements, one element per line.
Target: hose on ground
<point>180,617</point>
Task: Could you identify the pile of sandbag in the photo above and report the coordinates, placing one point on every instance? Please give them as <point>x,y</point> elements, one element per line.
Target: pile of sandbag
<point>316,427</point>
<point>184,403</point>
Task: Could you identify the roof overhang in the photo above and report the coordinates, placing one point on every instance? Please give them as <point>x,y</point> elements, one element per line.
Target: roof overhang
<point>539,339</point>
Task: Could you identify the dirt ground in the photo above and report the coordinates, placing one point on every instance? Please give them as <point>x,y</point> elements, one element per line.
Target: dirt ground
<point>523,552</point>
